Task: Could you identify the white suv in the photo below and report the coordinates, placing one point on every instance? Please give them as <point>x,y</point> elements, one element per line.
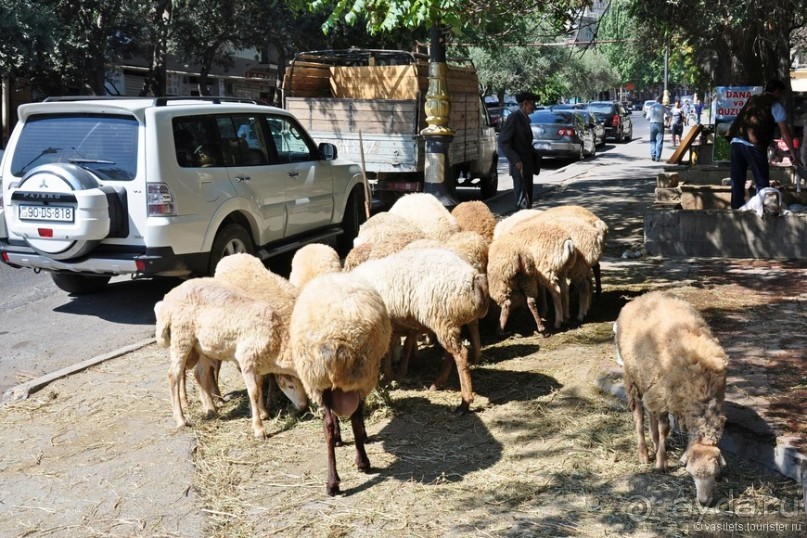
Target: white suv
<point>97,187</point>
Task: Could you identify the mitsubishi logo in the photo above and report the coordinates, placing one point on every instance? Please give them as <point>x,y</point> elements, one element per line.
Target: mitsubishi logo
<point>43,184</point>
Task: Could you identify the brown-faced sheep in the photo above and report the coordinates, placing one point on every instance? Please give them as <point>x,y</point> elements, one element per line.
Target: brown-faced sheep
<point>311,261</point>
<point>220,322</point>
<point>426,212</point>
<point>339,331</point>
<point>674,365</point>
<point>475,216</point>
<point>532,254</point>
<point>431,290</point>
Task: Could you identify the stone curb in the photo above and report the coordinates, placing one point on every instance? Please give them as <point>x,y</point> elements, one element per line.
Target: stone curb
<point>24,390</point>
<point>737,439</point>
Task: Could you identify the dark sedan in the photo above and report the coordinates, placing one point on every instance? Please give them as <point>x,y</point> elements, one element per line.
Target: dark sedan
<point>617,120</point>
<point>563,134</point>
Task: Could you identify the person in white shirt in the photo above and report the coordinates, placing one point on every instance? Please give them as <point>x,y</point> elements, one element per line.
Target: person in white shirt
<point>656,115</point>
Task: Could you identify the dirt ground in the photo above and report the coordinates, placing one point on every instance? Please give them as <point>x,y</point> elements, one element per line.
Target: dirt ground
<point>543,452</point>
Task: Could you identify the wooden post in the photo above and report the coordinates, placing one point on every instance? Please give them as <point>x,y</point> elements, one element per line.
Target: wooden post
<point>364,178</point>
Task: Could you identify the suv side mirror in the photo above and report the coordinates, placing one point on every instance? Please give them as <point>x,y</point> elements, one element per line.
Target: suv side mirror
<point>327,151</point>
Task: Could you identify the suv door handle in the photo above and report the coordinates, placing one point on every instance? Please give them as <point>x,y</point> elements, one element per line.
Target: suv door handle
<point>242,178</point>
<point>294,173</point>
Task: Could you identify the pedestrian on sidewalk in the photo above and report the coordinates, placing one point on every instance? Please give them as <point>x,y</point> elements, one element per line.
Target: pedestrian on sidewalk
<point>676,122</point>
<point>515,143</point>
<point>656,115</point>
<point>751,133</point>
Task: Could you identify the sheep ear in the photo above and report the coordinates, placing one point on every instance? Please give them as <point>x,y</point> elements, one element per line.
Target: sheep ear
<point>722,461</point>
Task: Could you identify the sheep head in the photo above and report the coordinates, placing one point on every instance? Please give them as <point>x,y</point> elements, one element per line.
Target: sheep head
<point>292,387</point>
<point>703,462</point>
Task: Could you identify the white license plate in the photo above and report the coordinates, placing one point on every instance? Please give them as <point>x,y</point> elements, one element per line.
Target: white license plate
<point>42,212</point>
<point>541,145</point>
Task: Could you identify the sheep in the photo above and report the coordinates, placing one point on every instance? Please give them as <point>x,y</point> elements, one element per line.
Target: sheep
<point>532,253</point>
<point>311,261</point>
<point>427,213</point>
<point>505,225</point>
<point>674,365</point>
<point>248,273</point>
<point>475,216</point>
<point>432,290</point>
<point>381,226</point>
<point>339,331</point>
<point>373,251</point>
<point>220,322</point>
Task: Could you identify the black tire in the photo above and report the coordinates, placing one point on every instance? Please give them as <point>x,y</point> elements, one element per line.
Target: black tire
<point>489,185</point>
<point>580,154</point>
<point>79,284</point>
<point>352,220</point>
<point>231,239</point>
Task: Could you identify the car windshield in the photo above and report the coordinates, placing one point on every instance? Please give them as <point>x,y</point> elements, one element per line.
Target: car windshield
<point>102,143</point>
<point>602,108</point>
<point>548,116</point>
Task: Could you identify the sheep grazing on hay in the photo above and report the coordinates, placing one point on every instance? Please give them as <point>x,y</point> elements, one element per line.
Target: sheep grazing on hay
<point>208,318</point>
<point>674,365</point>
<point>431,289</point>
<point>311,261</point>
<point>532,254</point>
<point>427,213</point>
<point>339,331</point>
<point>475,216</point>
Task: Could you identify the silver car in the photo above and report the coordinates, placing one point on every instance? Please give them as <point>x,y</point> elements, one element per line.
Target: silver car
<point>562,134</point>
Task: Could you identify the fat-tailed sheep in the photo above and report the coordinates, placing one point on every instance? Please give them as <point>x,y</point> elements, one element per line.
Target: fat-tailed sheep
<point>220,322</point>
<point>674,365</point>
<point>311,261</point>
<point>475,216</point>
<point>339,331</point>
<point>427,213</point>
<point>431,290</point>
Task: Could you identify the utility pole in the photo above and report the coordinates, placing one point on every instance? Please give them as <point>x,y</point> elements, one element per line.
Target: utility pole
<point>666,99</point>
<point>438,135</point>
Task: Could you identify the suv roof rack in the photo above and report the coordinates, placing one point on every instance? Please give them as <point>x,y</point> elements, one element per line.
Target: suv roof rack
<point>157,101</point>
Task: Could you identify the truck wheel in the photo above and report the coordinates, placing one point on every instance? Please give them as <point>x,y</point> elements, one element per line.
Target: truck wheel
<point>79,284</point>
<point>232,239</point>
<point>489,184</point>
<point>353,219</point>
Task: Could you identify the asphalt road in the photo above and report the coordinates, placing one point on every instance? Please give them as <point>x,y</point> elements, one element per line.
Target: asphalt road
<point>43,329</point>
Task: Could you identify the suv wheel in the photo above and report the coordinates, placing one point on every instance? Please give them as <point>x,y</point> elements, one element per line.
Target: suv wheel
<point>232,239</point>
<point>79,284</point>
<point>489,184</point>
<point>353,219</point>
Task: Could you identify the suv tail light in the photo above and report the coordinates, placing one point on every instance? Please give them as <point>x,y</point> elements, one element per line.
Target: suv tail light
<point>565,132</point>
<point>616,120</point>
<point>160,200</point>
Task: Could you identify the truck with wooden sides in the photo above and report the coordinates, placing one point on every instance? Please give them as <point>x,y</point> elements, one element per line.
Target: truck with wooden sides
<point>370,104</point>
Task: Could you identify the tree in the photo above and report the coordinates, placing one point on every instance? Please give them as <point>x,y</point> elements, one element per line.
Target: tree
<point>27,40</point>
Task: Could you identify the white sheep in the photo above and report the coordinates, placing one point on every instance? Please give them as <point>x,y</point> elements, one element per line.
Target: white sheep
<point>532,254</point>
<point>427,213</point>
<point>339,331</point>
<point>373,251</point>
<point>508,223</point>
<point>431,290</point>
<point>220,322</point>
<point>674,365</point>
<point>382,226</point>
<point>475,216</point>
<point>311,261</point>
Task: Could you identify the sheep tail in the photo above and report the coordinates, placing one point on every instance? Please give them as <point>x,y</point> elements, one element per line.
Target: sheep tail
<point>619,360</point>
<point>481,295</point>
<point>569,252</point>
<point>162,329</point>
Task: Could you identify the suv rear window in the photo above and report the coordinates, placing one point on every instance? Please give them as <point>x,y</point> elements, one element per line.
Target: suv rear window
<point>105,144</point>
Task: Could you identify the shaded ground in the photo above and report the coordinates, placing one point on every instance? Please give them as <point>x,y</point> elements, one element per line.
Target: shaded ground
<point>542,454</point>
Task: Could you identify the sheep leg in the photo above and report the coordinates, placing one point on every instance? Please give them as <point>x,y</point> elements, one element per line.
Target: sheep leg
<point>661,444</point>
<point>262,408</point>
<point>476,343</point>
<point>638,420</point>
<point>536,316</point>
<point>452,344</point>
<point>206,379</point>
<point>504,315</point>
<point>555,290</point>
<point>564,298</point>
<point>359,438</point>
<point>180,353</point>
<point>410,344</point>
<point>252,381</point>
<point>328,421</point>
<point>584,302</point>
<point>445,372</point>
<point>337,432</point>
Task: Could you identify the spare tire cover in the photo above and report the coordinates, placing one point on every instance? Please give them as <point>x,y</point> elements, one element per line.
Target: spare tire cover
<point>91,210</point>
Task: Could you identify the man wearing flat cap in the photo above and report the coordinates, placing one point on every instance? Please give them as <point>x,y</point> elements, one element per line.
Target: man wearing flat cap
<point>515,143</point>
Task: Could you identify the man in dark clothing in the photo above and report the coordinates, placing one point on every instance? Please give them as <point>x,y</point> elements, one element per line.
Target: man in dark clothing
<point>515,143</point>
<point>751,133</point>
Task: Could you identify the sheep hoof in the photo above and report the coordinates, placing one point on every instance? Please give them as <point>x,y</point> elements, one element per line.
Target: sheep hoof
<point>363,466</point>
<point>260,434</point>
<point>434,386</point>
<point>463,408</point>
<point>332,489</point>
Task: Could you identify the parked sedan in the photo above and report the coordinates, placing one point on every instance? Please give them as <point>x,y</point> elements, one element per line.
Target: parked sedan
<point>597,126</point>
<point>563,134</point>
<point>617,120</point>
